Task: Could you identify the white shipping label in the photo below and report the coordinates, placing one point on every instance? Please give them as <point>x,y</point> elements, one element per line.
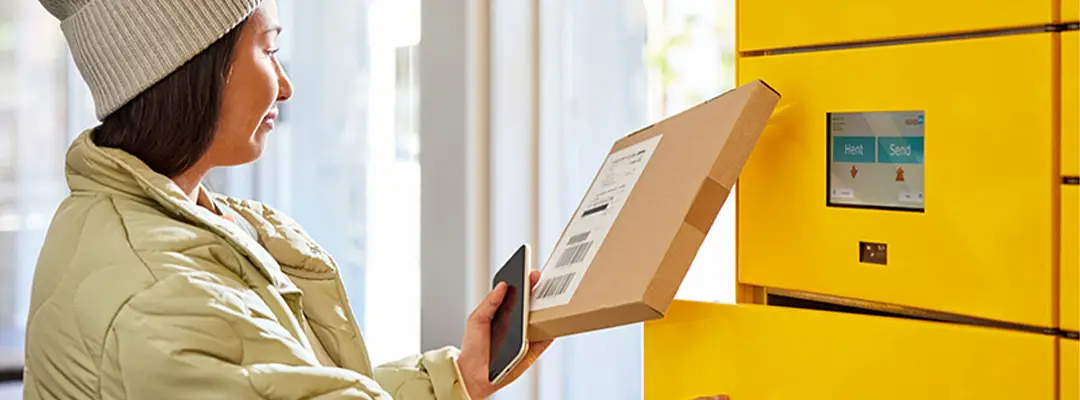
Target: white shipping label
<point>585,234</point>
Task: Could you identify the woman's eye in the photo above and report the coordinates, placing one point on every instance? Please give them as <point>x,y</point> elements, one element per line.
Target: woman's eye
<point>273,52</point>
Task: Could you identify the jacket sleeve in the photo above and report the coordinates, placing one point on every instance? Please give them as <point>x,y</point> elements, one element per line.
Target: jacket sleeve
<point>424,375</point>
<point>194,336</point>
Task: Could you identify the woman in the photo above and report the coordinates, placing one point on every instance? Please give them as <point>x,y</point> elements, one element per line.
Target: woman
<point>150,287</point>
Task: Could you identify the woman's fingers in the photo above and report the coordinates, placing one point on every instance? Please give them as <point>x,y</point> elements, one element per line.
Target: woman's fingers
<point>534,277</point>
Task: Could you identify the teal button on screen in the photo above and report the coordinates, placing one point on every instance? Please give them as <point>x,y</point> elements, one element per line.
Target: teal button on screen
<point>900,150</point>
<point>859,149</point>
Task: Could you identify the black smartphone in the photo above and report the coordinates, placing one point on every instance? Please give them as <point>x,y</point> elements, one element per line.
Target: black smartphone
<point>510,325</point>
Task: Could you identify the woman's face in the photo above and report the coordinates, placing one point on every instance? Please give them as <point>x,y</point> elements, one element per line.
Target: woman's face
<point>256,84</point>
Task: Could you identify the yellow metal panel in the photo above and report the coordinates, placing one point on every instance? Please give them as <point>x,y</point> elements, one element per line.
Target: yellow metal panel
<point>772,24</point>
<point>1070,258</point>
<point>1070,10</point>
<point>754,352</point>
<point>1070,103</point>
<point>1069,367</point>
<point>985,244</point>
<point>1070,166</point>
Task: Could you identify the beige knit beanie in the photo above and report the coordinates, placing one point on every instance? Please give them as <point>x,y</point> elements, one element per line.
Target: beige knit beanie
<point>122,47</point>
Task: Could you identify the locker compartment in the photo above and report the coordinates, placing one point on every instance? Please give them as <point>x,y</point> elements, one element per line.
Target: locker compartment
<point>1070,103</point>
<point>1069,369</point>
<point>1069,293</point>
<point>982,243</point>
<point>1070,10</point>
<point>752,352</point>
<point>775,24</point>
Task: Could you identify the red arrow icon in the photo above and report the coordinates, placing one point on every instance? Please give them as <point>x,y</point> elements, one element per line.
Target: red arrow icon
<point>899,174</point>
<point>854,171</point>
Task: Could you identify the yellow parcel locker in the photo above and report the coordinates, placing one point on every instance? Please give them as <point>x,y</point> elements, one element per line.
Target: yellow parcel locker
<point>775,24</point>
<point>1069,367</point>
<point>754,352</point>
<point>982,245</point>
<point>1069,294</point>
<point>1070,103</point>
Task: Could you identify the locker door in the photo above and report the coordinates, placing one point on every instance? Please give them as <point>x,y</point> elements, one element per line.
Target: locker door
<point>774,24</point>
<point>1069,293</point>
<point>1070,10</point>
<point>752,352</point>
<point>982,245</point>
<point>1070,103</point>
<point>1069,369</point>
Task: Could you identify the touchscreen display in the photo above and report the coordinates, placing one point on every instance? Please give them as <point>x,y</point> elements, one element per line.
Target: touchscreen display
<point>876,160</point>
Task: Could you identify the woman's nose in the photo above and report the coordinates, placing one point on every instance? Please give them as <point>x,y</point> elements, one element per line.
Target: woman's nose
<point>285,87</point>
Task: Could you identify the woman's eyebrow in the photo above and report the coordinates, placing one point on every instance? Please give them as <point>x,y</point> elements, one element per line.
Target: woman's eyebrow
<point>273,29</point>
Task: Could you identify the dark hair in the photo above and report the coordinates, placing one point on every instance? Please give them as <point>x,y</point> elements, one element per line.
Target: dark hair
<point>170,125</point>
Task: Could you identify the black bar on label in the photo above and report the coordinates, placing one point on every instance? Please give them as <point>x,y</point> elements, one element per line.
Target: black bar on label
<point>595,210</point>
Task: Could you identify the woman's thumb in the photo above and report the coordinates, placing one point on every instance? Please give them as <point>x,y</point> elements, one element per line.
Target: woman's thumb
<point>486,311</point>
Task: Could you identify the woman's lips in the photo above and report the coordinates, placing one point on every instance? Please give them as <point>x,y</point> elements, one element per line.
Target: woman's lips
<point>271,117</point>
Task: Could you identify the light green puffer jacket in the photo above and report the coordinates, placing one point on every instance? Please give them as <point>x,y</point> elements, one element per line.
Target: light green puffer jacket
<point>140,293</point>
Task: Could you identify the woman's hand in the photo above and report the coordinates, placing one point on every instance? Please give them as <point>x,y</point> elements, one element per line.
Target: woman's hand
<point>476,346</point>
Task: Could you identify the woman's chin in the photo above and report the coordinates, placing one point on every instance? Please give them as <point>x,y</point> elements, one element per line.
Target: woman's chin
<point>246,154</point>
<point>255,149</point>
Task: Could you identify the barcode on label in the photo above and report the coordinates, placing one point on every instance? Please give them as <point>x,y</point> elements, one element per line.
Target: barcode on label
<point>578,238</point>
<point>574,254</point>
<point>555,286</point>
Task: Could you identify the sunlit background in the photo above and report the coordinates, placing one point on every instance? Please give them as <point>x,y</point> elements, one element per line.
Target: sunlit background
<point>345,158</point>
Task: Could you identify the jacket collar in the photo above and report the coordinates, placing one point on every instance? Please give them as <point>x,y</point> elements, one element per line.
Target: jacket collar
<point>91,168</point>
<point>290,246</point>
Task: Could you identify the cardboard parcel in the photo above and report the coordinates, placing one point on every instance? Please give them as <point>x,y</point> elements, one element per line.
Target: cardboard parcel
<point>624,253</point>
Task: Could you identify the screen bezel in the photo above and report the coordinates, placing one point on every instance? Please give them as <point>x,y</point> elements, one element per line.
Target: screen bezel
<point>496,373</point>
<point>828,171</point>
